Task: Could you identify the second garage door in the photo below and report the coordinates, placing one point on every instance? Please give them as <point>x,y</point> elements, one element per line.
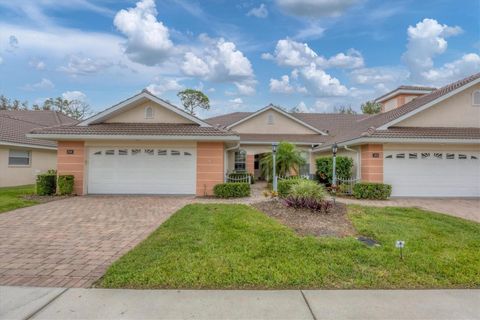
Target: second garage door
<point>433,174</point>
<point>141,170</point>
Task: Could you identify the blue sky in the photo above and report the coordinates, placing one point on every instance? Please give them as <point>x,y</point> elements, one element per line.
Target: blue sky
<point>315,54</point>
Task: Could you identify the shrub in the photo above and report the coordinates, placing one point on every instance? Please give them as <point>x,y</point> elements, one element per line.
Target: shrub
<point>368,190</point>
<point>313,204</point>
<point>284,185</point>
<point>240,175</point>
<point>307,189</point>
<point>65,184</point>
<point>343,167</point>
<point>232,190</point>
<point>46,184</point>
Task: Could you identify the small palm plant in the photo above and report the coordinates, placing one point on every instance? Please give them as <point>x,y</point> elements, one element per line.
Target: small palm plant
<point>288,159</point>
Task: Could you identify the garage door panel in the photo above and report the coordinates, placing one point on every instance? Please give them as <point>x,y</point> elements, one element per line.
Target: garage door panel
<point>142,171</point>
<point>433,176</point>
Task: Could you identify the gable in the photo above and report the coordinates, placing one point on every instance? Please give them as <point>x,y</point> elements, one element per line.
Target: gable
<point>137,115</point>
<point>262,124</point>
<point>455,111</point>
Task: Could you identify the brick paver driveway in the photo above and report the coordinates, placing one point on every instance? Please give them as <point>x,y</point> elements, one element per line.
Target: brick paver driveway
<point>71,242</point>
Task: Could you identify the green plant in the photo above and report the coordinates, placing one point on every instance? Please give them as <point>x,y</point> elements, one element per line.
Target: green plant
<point>193,99</point>
<point>232,190</point>
<point>288,159</point>
<point>284,185</point>
<point>343,167</point>
<point>307,189</point>
<point>46,184</point>
<point>65,184</point>
<point>241,175</point>
<point>369,190</point>
<point>52,171</point>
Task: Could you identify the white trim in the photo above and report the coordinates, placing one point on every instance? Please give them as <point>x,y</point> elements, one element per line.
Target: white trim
<point>429,104</point>
<point>286,114</point>
<point>70,137</point>
<point>402,91</point>
<point>23,145</point>
<point>398,140</point>
<point>144,94</point>
<point>270,143</point>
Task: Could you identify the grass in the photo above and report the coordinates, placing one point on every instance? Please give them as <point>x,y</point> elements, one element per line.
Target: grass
<point>11,197</point>
<point>235,246</point>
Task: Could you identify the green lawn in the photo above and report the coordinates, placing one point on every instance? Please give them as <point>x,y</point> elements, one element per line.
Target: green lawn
<point>11,197</point>
<point>235,246</point>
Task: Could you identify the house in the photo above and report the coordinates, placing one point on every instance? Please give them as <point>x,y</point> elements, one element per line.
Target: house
<point>426,142</point>
<point>22,158</point>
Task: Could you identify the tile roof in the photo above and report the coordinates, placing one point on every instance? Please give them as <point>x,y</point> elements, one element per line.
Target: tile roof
<point>427,133</point>
<point>153,129</point>
<point>15,124</point>
<point>407,88</point>
<point>298,138</point>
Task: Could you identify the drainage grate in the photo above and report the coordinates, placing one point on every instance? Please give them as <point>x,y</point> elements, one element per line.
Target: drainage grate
<point>369,242</point>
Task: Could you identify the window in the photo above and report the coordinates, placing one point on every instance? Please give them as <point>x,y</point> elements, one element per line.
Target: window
<point>412,156</point>
<point>148,113</point>
<point>476,98</point>
<point>136,151</point>
<point>450,156</point>
<point>474,157</point>
<point>462,156</point>
<point>425,155</point>
<point>270,119</point>
<point>187,153</point>
<point>389,156</point>
<point>123,152</point>
<point>109,152</point>
<point>240,160</point>
<point>175,153</point>
<point>149,152</point>
<point>162,152</point>
<point>98,153</point>
<point>19,158</point>
<point>400,156</point>
<point>438,155</point>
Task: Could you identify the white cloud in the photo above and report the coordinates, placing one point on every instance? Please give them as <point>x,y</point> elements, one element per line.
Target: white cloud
<point>1,60</point>
<point>321,84</point>
<point>148,40</point>
<point>43,84</point>
<point>302,108</point>
<point>163,85</point>
<point>315,8</point>
<point>452,71</point>
<point>79,65</point>
<point>281,86</point>
<point>37,64</point>
<point>220,61</point>
<point>12,43</point>
<point>235,103</point>
<point>74,95</point>
<point>260,12</point>
<point>312,31</point>
<point>379,75</point>
<point>426,40</point>
<point>296,54</point>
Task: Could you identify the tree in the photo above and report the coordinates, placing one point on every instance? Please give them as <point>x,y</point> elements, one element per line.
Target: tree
<point>193,99</point>
<point>4,103</point>
<point>344,110</point>
<point>371,107</point>
<point>77,109</point>
<point>288,159</point>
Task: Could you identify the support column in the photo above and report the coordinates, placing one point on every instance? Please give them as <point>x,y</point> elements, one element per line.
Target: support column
<point>250,164</point>
<point>71,157</point>
<point>372,163</point>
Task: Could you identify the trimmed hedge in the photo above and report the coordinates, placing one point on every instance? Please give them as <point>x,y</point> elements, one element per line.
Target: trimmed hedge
<point>284,185</point>
<point>46,184</point>
<point>343,168</point>
<point>369,190</point>
<point>237,175</point>
<point>65,184</point>
<point>232,190</point>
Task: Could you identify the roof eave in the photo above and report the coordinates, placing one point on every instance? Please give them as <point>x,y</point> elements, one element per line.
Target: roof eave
<point>70,137</point>
<point>27,145</point>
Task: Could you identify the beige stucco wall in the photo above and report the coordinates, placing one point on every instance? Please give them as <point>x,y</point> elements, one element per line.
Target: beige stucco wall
<point>397,101</point>
<point>281,124</point>
<point>160,115</point>
<point>41,161</point>
<point>456,111</point>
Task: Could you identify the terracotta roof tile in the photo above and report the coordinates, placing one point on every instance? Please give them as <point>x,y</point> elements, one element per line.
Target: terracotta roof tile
<point>428,133</point>
<point>268,138</point>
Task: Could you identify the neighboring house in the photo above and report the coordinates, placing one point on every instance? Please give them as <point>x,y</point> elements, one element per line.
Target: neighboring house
<point>425,143</point>
<point>22,158</point>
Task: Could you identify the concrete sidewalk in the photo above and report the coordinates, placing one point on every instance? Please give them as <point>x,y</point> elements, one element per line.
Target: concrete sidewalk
<point>58,303</point>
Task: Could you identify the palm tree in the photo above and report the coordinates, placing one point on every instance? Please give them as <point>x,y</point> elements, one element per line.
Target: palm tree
<point>288,159</point>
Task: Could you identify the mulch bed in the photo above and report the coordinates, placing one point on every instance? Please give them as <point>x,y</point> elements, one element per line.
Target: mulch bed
<point>305,222</point>
<point>44,199</point>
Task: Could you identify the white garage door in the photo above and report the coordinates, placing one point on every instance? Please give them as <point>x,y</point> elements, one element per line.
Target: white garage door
<point>433,174</point>
<point>141,170</point>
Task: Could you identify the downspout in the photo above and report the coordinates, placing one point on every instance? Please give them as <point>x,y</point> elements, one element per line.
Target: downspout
<point>358,160</point>
<point>225,159</point>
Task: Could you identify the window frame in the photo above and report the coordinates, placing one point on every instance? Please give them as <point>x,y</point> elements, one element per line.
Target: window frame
<point>29,153</point>
<point>238,163</point>
<point>473,98</point>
